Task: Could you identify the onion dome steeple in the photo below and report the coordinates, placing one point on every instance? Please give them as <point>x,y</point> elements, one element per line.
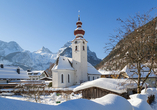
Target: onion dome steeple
<point>79,32</point>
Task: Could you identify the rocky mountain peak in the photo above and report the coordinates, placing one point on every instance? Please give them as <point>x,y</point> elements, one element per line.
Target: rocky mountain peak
<point>44,50</point>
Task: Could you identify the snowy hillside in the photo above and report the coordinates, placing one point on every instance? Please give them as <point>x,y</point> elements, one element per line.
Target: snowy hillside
<point>12,54</point>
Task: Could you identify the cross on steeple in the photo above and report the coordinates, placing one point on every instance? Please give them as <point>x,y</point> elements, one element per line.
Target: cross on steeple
<point>79,15</point>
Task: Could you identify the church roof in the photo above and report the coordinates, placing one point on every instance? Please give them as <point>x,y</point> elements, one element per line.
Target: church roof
<point>92,70</point>
<point>65,63</point>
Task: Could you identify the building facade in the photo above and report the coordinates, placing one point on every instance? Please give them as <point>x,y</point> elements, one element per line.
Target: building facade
<point>76,70</point>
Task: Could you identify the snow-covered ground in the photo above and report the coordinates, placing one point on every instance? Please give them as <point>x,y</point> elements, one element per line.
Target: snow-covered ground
<point>51,99</point>
<point>107,102</point>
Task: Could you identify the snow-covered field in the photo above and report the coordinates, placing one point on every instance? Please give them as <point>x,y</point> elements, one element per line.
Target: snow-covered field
<point>73,102</point>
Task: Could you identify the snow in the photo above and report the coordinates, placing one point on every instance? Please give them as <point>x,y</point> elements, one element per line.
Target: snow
<point>114,102</point>
<point>150,91</point>
<point>130,71</point>
<point>39,60</point>
<point>78,104</point>
<point>10,72</point>
<point>92,70</point>
<point>107,102</point>
<point>115,85</point>
<point>35,73</point>
<point>139,102</point>
<point>63,63</point>
<point>10,47</point>
<point>103,72</point>
<point>43,50</point>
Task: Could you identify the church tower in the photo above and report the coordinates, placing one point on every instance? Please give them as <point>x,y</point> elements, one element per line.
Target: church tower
<point>79,53</point>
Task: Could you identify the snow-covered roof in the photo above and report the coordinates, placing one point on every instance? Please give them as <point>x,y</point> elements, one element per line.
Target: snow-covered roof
<point>35,73</point>
<point>115,85</point>
<point>92,70</point>
<point>130,71</point>
<point>103,72</point>
<point>45,78</point>
<point>10,72</point>
<point>63,63</point>
<point>114,102</point>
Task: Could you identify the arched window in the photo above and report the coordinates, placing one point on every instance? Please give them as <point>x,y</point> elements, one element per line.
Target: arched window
<point>83,42</point>
<point>93,77</point>
<point>62,81</point>
<point>75,42</point>
<point>83,48</point>
<point>88,78</point>
<point>75,48</point>
<point>68,78</point>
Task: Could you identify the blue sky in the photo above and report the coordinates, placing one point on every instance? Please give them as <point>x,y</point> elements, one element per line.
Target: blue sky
<point>51,23</point>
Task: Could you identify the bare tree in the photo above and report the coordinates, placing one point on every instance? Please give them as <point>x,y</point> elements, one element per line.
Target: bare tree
<point>31,90</point>
<point>135,44</point>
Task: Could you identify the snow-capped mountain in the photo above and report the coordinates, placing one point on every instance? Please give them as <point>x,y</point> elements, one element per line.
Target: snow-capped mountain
<point>66,50</point>
<point>43,50</point>
<point>7,48</point>
<point>12,54</point>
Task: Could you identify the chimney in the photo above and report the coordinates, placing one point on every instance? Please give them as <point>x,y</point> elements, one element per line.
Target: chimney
<point>28,70</point>
<point>2,66</point>
<point>18,70</point>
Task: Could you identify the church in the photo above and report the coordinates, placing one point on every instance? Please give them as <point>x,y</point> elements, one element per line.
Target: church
<point>76,70</point>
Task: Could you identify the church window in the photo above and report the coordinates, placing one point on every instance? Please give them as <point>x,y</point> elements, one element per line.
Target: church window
<point>75,42</point>
<point>88,78</point>
<point>68,78</point>
<point>62,81</point>
<point>75,48</point>
<point>83,42</point>
<point>93,77</point>
<point>83,48</point>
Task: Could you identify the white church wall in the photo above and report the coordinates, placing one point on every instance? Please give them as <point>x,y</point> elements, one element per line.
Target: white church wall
<point>80,59</point>
<point>84,60</point>
<point>58,82</point>
<point>93,77</point>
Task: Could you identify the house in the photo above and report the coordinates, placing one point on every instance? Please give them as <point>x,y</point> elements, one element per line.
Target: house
<point>109,74</point>
<point>12,73</point>
<point>9,74</point>
<point>103,86</point>
<point>34,75</point>
<point>76,70</point>
<point>129,71</point>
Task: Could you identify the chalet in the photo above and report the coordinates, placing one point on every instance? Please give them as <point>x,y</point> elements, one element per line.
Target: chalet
<point>129,71</point>
<point>34,75</point>
<point>9,74</point>
<point>103,86</point>
<point>109,74</point>
<point>12,73</point>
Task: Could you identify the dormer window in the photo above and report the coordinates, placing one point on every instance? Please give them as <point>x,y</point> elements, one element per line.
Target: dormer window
<point>75,48</point>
